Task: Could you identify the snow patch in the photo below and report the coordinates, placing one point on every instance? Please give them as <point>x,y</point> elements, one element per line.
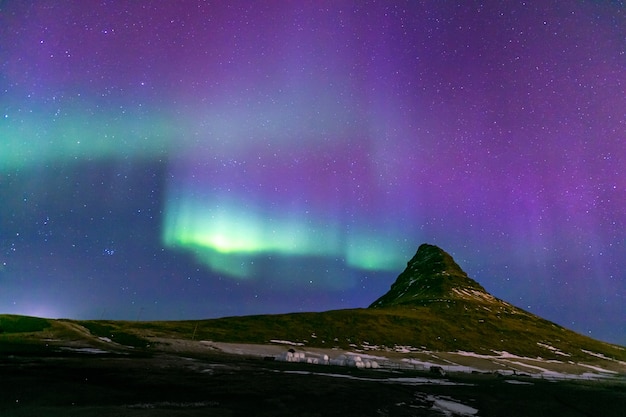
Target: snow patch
<point>286,342</point>
<point>598,369</point>
<point>449,367</point>
<point>91,351</point>
<point>405,349</point>
<point>553,349</point>
<point>601,356</point>
<point>539,371</point>
<point>448,407</point>
<point>402,381</point>
<point>473,294</point>
<point>421,381</point>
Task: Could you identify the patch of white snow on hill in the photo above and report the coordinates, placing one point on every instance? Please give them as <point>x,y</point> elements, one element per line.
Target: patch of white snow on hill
<point>498,355</point>
<point>597,355</point>
<point>553,349</point>
<point>516,382</point>
<point>537,368</point>
<point>286,342</point>
<point>450,367</point>
<point>502,355</point>
<point>91,351</point>
<point>451,408</point>
<point>548,374</point>
<point>598,369</point>
<point>601,356</point>
<point>399,380</point>
<point>405,349</point>
<point>476,294</point>
<point>421,381</point>
<point>368,356</point>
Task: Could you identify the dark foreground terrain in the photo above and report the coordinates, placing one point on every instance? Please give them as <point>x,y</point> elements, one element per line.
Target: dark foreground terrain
<point>215,384</point>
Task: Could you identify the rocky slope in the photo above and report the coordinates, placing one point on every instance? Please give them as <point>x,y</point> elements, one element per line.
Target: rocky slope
<point>432,275</point>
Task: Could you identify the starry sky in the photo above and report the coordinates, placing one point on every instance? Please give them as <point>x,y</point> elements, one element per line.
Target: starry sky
<point>195,159</point>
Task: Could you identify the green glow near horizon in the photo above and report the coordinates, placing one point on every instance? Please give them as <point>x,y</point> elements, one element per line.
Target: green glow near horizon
<point>228,235</point>
<point>223,234</point>
<point>222,237</point>
<point>375,252</point>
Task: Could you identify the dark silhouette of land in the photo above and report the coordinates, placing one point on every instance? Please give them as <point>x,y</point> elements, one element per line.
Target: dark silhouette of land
<point>441,343</point>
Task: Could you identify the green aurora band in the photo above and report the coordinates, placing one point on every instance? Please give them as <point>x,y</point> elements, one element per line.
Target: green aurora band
<point>226,234</point>
<point>77,129</point>
<point>228,238</point>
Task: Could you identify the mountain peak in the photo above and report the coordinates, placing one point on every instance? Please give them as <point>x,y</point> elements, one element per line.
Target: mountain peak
<point>431,275</point>
<point>433,259</point>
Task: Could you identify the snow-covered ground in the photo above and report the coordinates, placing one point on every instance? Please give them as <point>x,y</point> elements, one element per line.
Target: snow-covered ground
<point>408,357</point>
<point>369,356</point>
<point>390,380</point>
<point>385,361</point>
<point>542,368</point>
<point>91,351</point>
<point>450,407</point>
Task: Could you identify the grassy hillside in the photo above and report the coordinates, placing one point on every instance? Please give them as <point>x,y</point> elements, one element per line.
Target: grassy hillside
<point>442,326</point>
<point>439,326</point>
<point>10,323</point>
<point>22,334</point>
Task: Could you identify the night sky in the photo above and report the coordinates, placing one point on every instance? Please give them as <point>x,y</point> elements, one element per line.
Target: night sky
<point>187,159</point>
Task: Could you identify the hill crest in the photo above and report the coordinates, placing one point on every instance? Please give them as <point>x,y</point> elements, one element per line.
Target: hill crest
<point>432,275</point>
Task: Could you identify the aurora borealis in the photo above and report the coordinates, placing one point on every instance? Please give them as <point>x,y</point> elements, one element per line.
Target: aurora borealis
<point>170,160</point>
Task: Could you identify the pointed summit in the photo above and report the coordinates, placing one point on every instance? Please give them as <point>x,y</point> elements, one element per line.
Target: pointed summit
<point>431,275</point>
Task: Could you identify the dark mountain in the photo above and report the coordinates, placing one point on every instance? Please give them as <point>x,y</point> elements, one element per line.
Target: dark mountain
<point>431,275</point>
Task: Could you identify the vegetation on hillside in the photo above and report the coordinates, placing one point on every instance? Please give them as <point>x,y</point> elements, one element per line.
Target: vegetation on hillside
<point>442,326</point>
<point>114,331</point>
<point>10,323</point>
